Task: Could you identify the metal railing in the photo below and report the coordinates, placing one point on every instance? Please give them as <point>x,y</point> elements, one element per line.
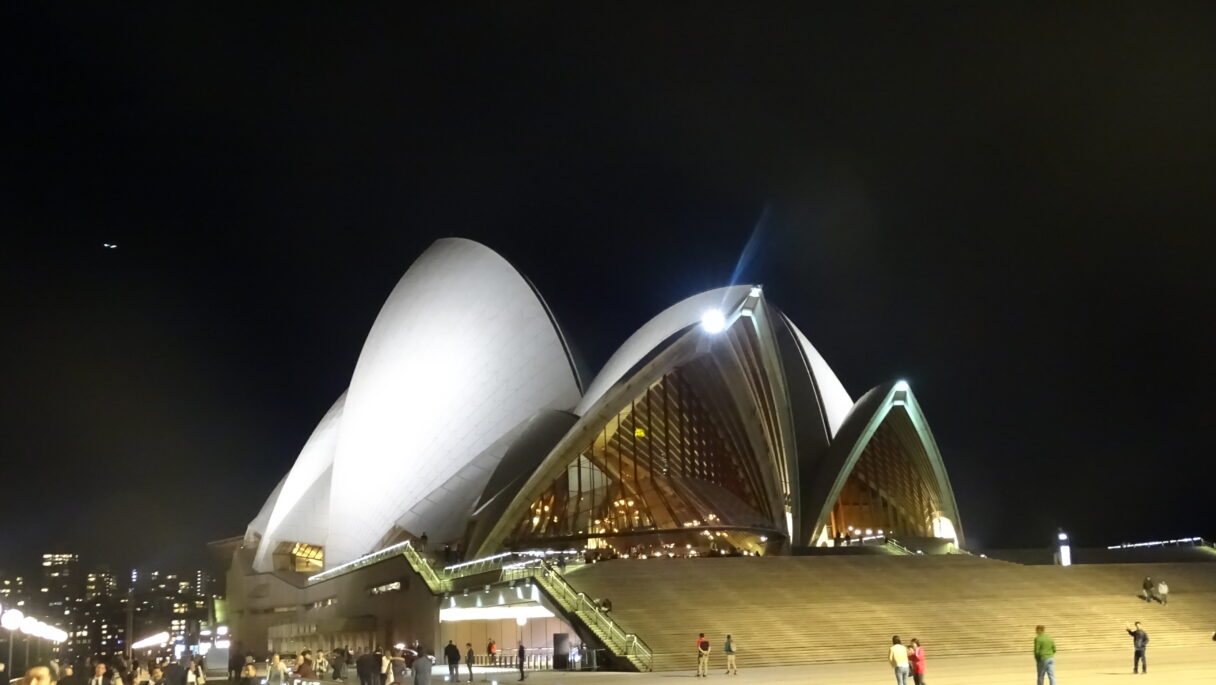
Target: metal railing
<point>535,566</point>
<point>511,567</point>
<point>623,643</point>
<point>436,584</point>
<point>367,560</point>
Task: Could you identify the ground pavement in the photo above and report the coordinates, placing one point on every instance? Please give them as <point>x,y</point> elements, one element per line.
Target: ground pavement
<point>1168,666</point>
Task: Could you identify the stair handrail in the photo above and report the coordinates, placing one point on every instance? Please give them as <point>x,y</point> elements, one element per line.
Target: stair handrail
<point>628,644</point>
<point>561,589</point>
<point>423,568</point>
<point>896,544</point>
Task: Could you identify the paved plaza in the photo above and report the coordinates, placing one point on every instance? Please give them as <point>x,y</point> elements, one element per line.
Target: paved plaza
<point>1169,666</point>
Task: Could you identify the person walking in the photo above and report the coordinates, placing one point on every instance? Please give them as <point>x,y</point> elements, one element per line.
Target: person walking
<point>469,657</point>
<point>422,668</point>
<point>1044,655</point>
<point>729,649</point>
<point>897,656</point>
<point>521,654</point>
<point>1148,588</point>
<point>492,652</point>
<point>1139,645</point>
<point>451,654</point>
<point>702,656</point>
<point>1163,592</point>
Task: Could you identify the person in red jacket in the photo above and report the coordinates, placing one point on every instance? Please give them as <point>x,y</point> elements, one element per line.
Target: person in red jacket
<point>916,659</point>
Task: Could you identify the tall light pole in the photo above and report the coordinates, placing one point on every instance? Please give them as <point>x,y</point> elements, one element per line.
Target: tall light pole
<point>29,626</point>
<point>130,620</point>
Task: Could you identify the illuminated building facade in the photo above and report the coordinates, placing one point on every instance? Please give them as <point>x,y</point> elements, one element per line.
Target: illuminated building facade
<point>717,425</point>
<point>716,428</point>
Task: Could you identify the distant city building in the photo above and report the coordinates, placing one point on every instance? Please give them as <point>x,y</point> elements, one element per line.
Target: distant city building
<point>13,592</point>
<point>100,584</point>
<point>93,609</point>
<point>204,583</point>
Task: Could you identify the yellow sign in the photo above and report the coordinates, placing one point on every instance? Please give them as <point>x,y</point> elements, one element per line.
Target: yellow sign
<point>639,432</point>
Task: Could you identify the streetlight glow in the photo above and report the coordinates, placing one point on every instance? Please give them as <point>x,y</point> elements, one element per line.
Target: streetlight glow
<point>11,620</point>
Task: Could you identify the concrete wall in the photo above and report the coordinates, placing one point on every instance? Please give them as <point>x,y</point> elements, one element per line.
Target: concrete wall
<point>269,612</point>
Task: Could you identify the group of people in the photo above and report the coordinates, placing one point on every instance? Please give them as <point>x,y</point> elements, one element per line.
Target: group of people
<point>729,648</point>
<point>1155,590</point>
<point>116,671</point>
<point>907,660</point>
<point>451,654</point>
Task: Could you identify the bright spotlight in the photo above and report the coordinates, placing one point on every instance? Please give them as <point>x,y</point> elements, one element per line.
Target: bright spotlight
<point>713,321</point>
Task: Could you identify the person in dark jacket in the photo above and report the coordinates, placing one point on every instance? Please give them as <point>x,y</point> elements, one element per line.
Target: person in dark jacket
<point>469,656</point>
<point>451,654</point>
<point>367,667</point>
<point>1139,645</point>
<point>175,673</point>
<point>306,669</point>
<point>521,655</point>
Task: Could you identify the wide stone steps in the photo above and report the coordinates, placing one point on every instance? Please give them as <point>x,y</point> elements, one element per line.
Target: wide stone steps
<point>800,610</point>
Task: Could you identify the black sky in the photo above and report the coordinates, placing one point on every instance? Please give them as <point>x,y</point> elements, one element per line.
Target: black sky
<point>1011,207</point>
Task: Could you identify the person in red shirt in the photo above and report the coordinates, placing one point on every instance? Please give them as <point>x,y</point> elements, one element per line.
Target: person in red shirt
<point>702,656</point>
<point>916,659</point>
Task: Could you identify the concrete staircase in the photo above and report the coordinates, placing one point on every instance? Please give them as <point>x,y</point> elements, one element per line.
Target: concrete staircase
<point>802,610</point>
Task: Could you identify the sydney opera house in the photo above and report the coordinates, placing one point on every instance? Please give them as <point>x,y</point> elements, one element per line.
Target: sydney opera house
<point>714,429</point>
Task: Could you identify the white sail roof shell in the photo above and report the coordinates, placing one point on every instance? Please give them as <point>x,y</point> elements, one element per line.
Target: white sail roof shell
<point>462,352</point>
<point>646,339</point>
<point>836,401</point>
<point>300,512</point>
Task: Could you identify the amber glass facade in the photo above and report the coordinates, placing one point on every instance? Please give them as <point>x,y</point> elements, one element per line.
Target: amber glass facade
<point>892,487</point>
<point>675,463</point>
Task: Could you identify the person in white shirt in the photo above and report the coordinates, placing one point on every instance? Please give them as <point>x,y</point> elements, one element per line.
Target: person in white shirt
<point>898,658</point>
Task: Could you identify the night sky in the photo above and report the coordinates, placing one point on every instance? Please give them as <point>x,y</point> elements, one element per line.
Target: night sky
<point>1011,208</point>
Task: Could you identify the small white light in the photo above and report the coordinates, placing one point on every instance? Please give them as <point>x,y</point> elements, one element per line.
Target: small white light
<point>713,321</point>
